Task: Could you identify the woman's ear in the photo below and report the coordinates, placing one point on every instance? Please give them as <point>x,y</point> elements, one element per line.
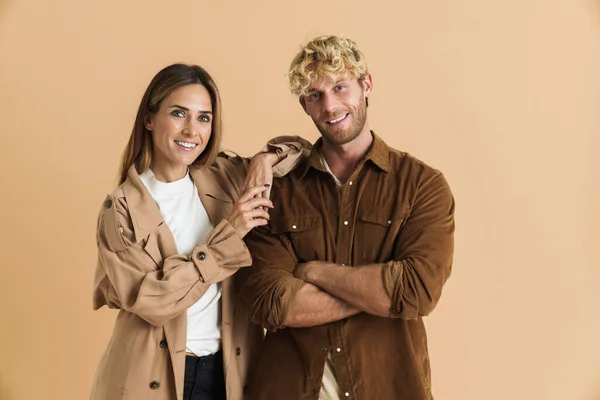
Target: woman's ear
<point>148,122</point>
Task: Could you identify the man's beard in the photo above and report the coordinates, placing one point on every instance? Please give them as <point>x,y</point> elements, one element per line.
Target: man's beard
<point>339,137</point>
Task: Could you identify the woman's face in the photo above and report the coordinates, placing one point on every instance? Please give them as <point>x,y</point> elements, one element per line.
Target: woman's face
<point>181,130</point>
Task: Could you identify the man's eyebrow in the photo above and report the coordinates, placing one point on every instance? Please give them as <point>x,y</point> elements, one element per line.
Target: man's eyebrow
<point>187,109</point>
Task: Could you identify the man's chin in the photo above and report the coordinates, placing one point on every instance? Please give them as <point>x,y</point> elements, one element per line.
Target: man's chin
<point>338,138</point>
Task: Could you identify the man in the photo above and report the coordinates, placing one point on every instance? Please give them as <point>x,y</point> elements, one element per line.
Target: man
<point>357,250</point>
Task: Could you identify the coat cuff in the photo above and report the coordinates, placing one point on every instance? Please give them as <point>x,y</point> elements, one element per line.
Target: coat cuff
<point>223,249</point>
<point>290,150</point>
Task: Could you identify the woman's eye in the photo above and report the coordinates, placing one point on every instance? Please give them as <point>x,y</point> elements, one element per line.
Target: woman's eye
<point>205,118</point>
<point>177,113</point>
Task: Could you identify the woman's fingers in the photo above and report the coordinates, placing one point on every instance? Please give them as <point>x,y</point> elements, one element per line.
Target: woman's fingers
<point>252,192</point>
<point>257,213</point>
<point>255,202</point>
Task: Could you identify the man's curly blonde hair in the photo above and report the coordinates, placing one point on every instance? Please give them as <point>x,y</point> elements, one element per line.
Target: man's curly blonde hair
<point>325,57</point>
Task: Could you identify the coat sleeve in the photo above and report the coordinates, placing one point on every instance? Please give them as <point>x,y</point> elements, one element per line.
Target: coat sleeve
<point>132,275</point>
<point>290,149</point>
<point>423,253</point>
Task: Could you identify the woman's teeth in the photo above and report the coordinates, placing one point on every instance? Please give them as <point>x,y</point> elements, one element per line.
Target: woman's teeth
<point>186,144</point>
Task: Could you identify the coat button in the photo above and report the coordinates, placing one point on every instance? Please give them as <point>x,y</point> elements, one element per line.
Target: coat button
<point>238,351</point>
<point>108,203</point>
<point>154,385</point>
<point>163,344</point>
<point>201,255</point>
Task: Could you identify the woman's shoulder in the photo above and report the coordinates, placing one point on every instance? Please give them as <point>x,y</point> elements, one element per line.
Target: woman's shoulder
<point>114,221</point>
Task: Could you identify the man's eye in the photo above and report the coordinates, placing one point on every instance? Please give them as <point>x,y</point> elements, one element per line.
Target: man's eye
<point>314,96</point>
<point>340,87</point>
<point>177,113</point>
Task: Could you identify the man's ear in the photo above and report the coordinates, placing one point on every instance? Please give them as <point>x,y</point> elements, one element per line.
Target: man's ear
<point>302,101</point>
<point>367,85</point>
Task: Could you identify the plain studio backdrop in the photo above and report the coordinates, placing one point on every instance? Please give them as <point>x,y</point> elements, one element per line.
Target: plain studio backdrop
<point>502,96</point>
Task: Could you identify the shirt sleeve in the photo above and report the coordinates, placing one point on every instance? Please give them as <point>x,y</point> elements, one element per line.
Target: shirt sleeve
<point>423,253</point>
<point>269,287</point>
<point>134,276</point>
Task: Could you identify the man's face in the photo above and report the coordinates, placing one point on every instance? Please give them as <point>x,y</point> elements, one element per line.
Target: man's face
<point>338,107</point>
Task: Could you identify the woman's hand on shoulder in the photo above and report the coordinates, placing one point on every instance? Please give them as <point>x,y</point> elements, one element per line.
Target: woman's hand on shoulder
<point>250,210</point>
<point>260,172</point>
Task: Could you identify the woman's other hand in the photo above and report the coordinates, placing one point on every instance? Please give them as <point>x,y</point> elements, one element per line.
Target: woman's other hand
<point>250,210</point>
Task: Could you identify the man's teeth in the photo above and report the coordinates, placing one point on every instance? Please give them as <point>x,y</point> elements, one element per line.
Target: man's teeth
<point>333,121</point>
<point>186,144</point>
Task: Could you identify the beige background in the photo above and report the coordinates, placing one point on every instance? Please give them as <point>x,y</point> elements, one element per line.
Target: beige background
<point>503,96</point>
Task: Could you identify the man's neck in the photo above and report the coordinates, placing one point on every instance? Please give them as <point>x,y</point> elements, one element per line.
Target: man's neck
<point>343,159</point>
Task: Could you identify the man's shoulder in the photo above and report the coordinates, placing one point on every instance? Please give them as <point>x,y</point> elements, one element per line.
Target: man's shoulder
<point>405,163</point>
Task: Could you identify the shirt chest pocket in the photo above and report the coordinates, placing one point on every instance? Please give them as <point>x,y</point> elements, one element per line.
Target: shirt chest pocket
<point>376,233</point>
<point>303,234</point>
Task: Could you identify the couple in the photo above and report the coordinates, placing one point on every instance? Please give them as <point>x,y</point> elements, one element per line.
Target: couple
<point>349,256</point>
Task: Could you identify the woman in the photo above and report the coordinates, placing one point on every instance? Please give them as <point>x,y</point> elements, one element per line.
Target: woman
<point>169,240</point>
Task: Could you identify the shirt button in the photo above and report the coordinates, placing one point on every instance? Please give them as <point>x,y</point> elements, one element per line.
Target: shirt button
<point>108,203</point>
<point>154,385</point>
<point>201,255</point>
<point>163,344</point>
<point>323,348</point>
<point>238,351</point>
<point>347,394</point>
<point>315,390</point>
<point>389,222</point>
<point>350,183</point>
<point>343,265</point>
<point>345,222</point>
<point>294,226</point>
<point>338,349</point>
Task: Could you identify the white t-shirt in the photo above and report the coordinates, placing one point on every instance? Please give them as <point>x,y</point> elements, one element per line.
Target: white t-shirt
<point>185,215</point>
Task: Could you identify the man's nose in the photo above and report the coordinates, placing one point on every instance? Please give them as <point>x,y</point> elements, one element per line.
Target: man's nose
<point>330,103</point>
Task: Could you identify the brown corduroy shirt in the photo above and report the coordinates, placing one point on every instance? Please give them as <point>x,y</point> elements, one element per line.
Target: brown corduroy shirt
<point>394,210</point>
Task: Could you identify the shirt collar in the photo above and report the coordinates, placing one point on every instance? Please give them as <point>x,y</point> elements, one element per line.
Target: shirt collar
<point>378,154</point>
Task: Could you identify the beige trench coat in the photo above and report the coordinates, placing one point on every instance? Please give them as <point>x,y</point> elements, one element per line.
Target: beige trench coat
<point>140,273</point>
